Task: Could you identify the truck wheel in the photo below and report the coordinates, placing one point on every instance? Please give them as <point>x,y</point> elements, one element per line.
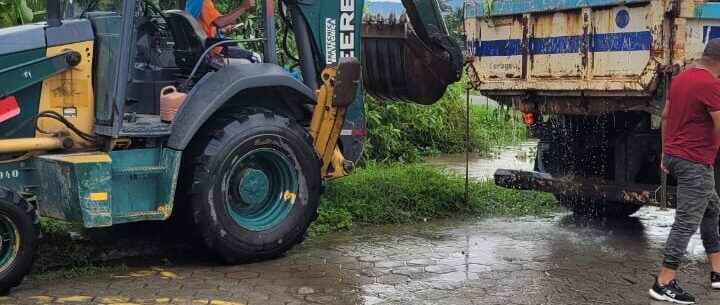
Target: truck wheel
<point>256,185</point>
<point>19,234</point>
<point>597,208</point>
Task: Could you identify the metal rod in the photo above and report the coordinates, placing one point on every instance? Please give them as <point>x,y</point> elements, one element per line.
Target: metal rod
<point>663,173</point>
<point>26,74</point>
<point>31,144</point>
<point>664,191</point>
<point>186,84</point>
<point>270,47</point>
<point>123,61</point>
<point>467,147</point>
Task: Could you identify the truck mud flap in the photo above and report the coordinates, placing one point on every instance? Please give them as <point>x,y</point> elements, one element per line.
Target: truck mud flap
<point>409,55</point>
<point>577,186</point>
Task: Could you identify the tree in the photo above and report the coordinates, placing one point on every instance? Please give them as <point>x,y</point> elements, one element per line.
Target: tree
<point>454,18</point>
<point>13,12</point>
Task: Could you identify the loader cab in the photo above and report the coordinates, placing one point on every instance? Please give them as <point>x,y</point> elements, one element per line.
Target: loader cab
<point>138,51</point>
<point>106,155</point>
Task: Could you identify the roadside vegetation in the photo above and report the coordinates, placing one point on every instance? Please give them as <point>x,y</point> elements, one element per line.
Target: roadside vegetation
<point>400,132</point>
<point>412,193</point>
<point>393,186</point>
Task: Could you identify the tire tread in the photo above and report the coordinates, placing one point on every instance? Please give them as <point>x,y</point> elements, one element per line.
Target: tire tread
<point>17,275</point>
<point>202,156</point>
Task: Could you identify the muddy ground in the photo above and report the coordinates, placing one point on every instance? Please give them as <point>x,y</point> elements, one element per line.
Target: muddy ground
<point>553,260</point>
<point>560,259</point>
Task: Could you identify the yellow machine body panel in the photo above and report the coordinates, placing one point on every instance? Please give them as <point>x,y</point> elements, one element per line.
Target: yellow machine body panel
<point>70,94</point>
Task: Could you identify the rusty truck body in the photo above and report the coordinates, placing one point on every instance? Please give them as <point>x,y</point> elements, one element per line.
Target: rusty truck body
<point>591,78</point>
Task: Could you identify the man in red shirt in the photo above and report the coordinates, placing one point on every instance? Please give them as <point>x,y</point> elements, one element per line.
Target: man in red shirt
<point>691,138</point>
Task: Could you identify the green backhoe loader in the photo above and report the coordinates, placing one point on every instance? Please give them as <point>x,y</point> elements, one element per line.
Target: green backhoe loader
<point>82,138</point>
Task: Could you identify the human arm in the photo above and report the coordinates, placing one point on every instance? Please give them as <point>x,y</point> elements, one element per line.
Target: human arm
<point>663,123</point>
<point>716,121</point>
<point>711,98</point>
<point>231,18</point>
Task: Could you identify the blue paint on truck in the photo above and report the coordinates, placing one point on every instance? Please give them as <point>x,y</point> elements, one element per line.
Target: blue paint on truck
<point>607,42</point>
<point>622,19</point>
<point>619,42</point>
<point>710,32</point>
<point>556,45</point>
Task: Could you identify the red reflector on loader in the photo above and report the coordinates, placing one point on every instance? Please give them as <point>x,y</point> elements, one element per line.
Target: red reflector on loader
<point>360,133</point>
<point>8,108</point>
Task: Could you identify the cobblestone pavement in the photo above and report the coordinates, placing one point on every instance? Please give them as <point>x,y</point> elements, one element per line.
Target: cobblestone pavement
<point>554,260</point>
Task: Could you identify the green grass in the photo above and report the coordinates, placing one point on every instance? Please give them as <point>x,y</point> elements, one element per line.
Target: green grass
<point>57,248</point>
<point>77,272</point>
<point>399,132</point>
<point>397,194</point>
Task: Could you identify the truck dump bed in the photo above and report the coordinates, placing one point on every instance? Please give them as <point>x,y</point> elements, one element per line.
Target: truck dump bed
<point>595,49</point>
<point>591,77</point>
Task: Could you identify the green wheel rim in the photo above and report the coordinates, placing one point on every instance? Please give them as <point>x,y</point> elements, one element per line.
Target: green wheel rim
<point>260,189</point>
<point>9,242</point>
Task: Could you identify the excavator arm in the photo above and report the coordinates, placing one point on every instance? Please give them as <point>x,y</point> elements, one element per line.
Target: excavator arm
<point>409,56</point>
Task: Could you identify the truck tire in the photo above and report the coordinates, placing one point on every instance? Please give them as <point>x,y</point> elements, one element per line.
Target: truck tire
<point>597,208</point>
<point>256,185</point>
<point>19,234</point>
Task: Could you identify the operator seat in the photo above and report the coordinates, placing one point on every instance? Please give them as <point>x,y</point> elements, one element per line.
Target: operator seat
<point>190,39</point>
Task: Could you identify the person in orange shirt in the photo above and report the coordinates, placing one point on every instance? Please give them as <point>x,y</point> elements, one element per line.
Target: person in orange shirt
<point>211,19</point>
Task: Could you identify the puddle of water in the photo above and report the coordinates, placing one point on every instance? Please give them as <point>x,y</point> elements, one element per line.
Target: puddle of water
<point>483,167</point>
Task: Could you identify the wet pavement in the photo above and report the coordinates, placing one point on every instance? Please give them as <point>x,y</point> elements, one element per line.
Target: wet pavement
<point>553,260</point>
<point>559,259</point>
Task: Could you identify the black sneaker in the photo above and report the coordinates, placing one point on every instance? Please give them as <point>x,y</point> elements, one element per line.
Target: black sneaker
<point>715,280</point>
<point>671,293</point>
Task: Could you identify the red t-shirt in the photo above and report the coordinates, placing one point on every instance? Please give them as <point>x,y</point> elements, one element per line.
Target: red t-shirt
<point>689,129</point>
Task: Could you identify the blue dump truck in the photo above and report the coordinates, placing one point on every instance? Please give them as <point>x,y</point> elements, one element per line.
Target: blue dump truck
<point>590,77</point>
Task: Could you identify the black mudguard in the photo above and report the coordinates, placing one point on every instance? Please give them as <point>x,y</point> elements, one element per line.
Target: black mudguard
<point>222,87</point>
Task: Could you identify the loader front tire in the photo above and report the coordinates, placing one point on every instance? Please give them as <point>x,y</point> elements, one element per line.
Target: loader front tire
<point>19,234</point>
<point>256,185</point>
